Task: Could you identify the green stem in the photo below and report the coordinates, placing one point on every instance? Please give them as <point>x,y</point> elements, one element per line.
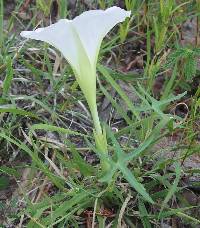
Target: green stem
<point>100,137</point>
<point>96,120</point>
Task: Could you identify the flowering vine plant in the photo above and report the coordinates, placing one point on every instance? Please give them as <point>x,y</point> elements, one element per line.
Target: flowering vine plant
<point>79,41</point>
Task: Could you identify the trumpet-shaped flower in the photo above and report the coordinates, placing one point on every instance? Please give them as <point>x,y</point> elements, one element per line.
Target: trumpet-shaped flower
<point>79,42</point>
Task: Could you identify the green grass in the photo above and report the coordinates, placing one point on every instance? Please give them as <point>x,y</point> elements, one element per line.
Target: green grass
<point>48,151</point>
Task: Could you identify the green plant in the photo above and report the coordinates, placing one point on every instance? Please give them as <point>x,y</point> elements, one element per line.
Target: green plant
<point>186,57</point>
<point>44,5</point>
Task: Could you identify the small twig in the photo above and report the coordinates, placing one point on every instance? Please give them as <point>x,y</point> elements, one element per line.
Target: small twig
<point>94,212</point>
<point>121,213</point>
<point>41,191</point>
<point>25,6</point>
<point>197,31</point>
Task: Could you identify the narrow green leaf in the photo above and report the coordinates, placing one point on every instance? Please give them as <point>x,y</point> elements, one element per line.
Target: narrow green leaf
<point>134,183</point>
<point>66,206</point>
<point>4,182</point>
<point>9,171</point>
<point>115,105</point>
<point>47,127</point>
<point>144,215</point>
<point>85,169</point>
<point>173,187</point>
<point>170,83</point>
<point>9,76</point>
<point>123,95</point>
<point>153,137</point>
<point>18,112</point>
<point>63,11</point>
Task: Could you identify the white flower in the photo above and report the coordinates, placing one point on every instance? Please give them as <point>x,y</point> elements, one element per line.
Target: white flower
<point>79,42</point>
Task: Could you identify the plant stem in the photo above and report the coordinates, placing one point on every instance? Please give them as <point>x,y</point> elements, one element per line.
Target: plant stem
<point>100,138</point>
<point>95,117</point>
